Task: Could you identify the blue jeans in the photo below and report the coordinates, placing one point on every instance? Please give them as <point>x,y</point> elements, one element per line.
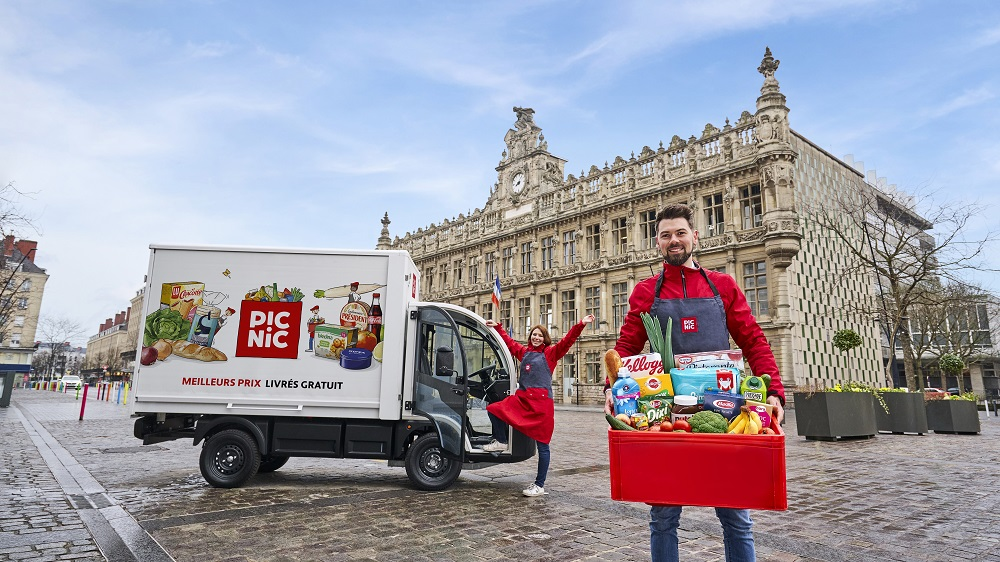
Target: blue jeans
<point>737,533</point>
<point>499,428</point>
<point>543,463</point>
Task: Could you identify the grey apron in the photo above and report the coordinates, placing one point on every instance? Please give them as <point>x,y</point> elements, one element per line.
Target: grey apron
<point>699,324</point>
<point>535,372</point>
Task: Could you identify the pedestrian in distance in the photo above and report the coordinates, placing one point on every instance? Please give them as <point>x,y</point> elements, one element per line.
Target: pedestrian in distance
<point>707,307</point>
<point>531,409</point>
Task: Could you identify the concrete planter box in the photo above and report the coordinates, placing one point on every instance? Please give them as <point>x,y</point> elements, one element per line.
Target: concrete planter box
<point>953,416</point>
<point>906,413</point>
<point>829,416</point>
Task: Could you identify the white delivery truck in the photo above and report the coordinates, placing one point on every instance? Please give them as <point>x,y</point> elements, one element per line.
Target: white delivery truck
<point>265,354</point>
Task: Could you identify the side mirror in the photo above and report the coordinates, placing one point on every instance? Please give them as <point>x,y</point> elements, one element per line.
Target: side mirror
<point>445,362</point>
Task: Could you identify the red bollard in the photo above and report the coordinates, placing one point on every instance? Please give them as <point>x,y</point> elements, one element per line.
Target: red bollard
<point>83,405</point>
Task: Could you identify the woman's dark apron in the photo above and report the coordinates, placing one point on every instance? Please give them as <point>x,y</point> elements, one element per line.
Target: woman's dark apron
<point>530,409</point>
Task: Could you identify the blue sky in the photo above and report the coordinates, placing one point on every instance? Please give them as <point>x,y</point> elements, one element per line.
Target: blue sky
<point>301,123</point>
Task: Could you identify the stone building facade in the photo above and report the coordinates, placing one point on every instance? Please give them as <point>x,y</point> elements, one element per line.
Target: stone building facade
<point>564,246</point>
<point>20,304</point>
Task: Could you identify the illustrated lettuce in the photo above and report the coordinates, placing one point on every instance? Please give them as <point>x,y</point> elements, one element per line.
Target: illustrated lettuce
<point>165,324</point>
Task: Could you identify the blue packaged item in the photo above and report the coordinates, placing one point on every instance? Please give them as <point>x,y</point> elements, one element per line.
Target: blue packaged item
<point>694,382</point>
<point>725,403</point>
<point>625,393</point>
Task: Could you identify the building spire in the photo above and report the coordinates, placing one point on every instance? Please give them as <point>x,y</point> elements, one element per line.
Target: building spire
<point>384,242</point>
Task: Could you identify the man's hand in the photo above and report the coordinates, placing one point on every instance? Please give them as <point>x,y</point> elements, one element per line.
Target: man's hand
<point>779,412</point>
<point>492,323</point>
<point>609,404</point>
<point>588,319</point>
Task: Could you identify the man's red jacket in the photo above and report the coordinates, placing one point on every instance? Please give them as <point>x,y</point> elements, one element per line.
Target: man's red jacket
<point>742,326</point>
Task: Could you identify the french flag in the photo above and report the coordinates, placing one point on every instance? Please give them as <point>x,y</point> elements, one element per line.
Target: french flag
<point>496,292</point>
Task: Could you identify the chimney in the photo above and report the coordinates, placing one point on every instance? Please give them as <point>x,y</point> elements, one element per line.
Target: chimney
<point>8,245</point>
<point>27,248</point>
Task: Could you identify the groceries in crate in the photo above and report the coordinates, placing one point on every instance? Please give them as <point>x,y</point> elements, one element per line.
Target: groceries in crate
<point>271,293</point>
<point>713,411</point>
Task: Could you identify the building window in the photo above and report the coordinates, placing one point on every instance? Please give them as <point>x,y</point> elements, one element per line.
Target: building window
<point>22,303</point>
<point>443,278</point>
<point>18,321</point>
<point>619,304</point>
<point>545,311</point>
<point>430,279</point>
<point>526,258</point>
<point>490,260</point>
<point>505,314</point>
<point>619,236</point>
<point>472,308</point>
<point>15,340</point>
<point>524,316</point>
<point>593,241</point>
<point>569,248</point>
<point>755,286</point>
<point>567,304</point>
<point>753,207</point>
<point>474,270</point>
<point>508,261</point>
<point>720,269</point>
<point>26,285</point>
<point>592,305</point>
<point>715,221</point>
<point>456,278</point>
<point>647,227</point>
<point>548,252</point>
<point>593,361</point>
<point>488,311</point>
<point>568,363</point>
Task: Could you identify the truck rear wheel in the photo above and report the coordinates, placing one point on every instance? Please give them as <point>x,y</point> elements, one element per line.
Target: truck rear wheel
<point>427,467</point>
<point>229,458</point>
<point>270,463</point>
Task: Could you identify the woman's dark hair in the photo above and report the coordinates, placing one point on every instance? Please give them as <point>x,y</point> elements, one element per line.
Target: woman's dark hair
<point>546,338</point>
<point>676,211</point>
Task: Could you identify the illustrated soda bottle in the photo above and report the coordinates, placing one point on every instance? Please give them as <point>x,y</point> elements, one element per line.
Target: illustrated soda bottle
<point>375,317</point>
<point>625,393</point>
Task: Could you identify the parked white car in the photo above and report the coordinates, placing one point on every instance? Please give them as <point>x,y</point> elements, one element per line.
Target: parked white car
<point>72,381</point>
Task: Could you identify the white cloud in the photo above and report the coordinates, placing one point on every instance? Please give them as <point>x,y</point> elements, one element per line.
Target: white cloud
<point>968,98</point>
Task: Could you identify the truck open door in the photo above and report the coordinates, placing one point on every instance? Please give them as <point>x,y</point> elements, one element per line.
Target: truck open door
<point>441,381</point>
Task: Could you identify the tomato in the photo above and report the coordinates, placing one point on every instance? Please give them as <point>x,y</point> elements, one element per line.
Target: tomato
<point>665,425</point>
<point>655,427</point>
<point>682,425</point>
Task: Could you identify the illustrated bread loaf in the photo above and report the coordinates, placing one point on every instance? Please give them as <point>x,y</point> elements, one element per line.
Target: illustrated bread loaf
<point>163,349</point>
<point>190,350</point>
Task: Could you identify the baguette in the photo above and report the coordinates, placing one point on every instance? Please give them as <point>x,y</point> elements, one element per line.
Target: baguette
<point>612,362</point>
<point>163,349</point>
<point>190,350</point>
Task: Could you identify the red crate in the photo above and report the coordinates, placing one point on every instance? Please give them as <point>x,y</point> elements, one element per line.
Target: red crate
<point>706,469</point>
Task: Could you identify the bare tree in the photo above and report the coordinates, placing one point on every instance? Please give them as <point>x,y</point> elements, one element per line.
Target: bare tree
<point>885,235</point>
<point>58,334</point>
<point>12,220</point>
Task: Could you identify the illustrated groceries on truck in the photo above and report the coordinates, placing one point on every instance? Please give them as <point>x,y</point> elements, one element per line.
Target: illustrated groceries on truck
<point>266,354</point>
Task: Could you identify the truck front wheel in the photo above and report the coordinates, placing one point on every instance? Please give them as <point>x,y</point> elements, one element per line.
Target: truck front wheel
<point>427,466</point>
<point>229,458</point>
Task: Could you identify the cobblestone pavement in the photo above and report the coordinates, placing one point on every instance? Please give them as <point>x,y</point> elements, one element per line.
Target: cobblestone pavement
<point>86,490</point>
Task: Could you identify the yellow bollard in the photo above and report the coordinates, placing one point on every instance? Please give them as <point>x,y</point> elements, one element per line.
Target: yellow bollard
<point>125,399</point>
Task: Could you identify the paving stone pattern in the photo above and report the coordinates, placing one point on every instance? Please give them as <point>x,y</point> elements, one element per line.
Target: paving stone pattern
<point>894,497</point>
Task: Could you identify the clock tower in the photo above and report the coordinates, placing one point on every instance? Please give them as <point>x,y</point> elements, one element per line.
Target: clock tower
<point>526,168</point>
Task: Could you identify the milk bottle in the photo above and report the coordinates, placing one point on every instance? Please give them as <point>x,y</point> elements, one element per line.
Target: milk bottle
<point>625,393</point>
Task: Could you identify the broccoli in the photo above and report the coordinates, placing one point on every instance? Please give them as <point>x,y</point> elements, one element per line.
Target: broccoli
<point>708,422</point>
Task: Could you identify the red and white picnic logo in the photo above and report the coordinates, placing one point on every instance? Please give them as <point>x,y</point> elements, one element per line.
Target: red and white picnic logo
<point>269,329</point>
<point>689,324</point>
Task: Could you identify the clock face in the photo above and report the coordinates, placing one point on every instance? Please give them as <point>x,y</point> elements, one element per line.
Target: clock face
<point>517,184</point>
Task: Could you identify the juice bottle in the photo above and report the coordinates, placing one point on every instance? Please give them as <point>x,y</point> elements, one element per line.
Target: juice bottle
<point>625,393</point>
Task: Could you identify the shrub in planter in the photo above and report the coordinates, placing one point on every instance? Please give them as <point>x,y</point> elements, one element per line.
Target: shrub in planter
<point>904,412</point>
<point>955,414</point>
<point>843,411</point>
